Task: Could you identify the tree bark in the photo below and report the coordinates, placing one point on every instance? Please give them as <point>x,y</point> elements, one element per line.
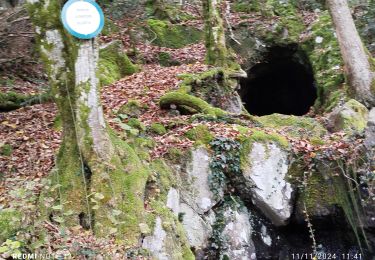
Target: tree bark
<point>217,53</point>
<point>357,61</point>
<point>93,184</point>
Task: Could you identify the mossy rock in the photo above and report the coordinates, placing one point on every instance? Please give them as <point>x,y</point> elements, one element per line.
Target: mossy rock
<point>201,134</point>
<point>350,118</point>
<point>158,129</point>
<point>163,180</point>
<point>324,53</point>
<point>114,63</point>
<point>296,126</point>
<point>132,108</point>
<point>291,24</point>
<point>10,222</point>
<point>259,136</point>
<point>11,100</point>
<point>319,197</point>
<point>166,34</point>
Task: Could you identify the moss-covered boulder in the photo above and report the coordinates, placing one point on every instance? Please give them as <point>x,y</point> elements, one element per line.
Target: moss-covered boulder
<point>158,129</point>
<point>217,87</point>
<point>350,118</point>
<point>296,126</point>
<point>263,179</point>
<point>114,63</point>
<point>166,34</point>
<point>12,100</point>
<point>10,222</point>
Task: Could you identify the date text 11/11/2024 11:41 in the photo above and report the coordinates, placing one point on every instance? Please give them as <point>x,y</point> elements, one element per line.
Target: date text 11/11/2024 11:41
<point>326,256</point>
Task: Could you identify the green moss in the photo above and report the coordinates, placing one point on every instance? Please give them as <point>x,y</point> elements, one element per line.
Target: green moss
<point>200,134</point>
<point>246,6</point>
<point>286,19</point>
<point>132,108</point>
<point>174,154</point>
<point>114,64</point>
<point>326,60</point>
<point>260,137</point>
<point>167,11</point>
<point>290,19</point>
<point>10,223</point>
<point>166,60</point>
<point>181,99</point>
<point>294,125</point>
<point>170,35</point>
<point>215,85</point>
<point>318,194</point>
<point>163,180</point>
<point>135,123</point>
<point>6,149</point>
<point>12,100</point>
<point>109,27</point>
<point>125,187</point>
<point>352,117</point>
<point>158,128</point>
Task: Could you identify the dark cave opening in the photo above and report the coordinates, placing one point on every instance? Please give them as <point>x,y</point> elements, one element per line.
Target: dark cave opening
<point>282,83</point>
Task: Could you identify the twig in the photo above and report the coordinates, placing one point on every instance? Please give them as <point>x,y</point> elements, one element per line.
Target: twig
<point>346,176</point>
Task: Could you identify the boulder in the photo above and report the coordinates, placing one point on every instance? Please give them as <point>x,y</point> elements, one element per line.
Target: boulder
<point>198,170</point>
<point>198,230</point>
<point>267,170</point>
<point>238,233</point>
<point>155,242</point>
<point>350,117</point>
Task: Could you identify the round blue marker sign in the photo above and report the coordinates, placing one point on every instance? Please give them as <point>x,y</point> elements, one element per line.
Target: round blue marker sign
<point>83,19</point>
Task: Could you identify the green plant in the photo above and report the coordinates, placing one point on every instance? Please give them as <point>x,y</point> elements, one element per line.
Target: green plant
<point>226,161</point>
<point>6,149</point>
<point>10,247</point>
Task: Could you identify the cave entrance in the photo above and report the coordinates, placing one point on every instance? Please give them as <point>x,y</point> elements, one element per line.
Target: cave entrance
<point>282,83</point>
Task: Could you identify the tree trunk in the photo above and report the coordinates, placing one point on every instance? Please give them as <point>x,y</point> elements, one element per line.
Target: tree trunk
<point>217,53</point>
<point>357,61</point>
<point>93,185</point>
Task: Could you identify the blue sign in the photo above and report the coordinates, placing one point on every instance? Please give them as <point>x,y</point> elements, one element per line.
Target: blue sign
<point>83,19</point>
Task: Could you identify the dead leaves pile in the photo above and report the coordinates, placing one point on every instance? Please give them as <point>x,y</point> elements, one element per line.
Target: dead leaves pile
<point>33,141</point>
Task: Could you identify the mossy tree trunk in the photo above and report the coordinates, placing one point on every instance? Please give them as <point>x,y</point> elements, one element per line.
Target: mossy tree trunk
<point>89,174</point>
<point>217,53</point>
<point>357,61</point>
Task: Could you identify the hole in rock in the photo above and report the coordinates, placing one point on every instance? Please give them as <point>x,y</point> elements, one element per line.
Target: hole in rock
<point>282,83</point>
